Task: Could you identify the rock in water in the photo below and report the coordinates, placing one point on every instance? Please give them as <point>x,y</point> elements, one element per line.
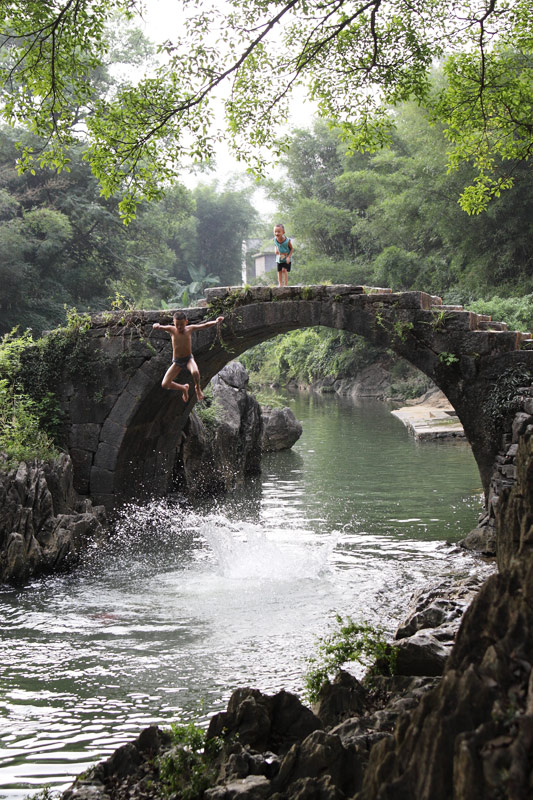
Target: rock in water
<point>281,429</point>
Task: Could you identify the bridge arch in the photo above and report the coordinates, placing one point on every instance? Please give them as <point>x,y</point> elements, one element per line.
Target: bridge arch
<point>124,429</point>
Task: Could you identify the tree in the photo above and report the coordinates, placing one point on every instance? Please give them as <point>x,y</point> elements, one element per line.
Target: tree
<point>224,219</point>
<point>391,218</point>
<point>357,58</point>
<point>62,243</point>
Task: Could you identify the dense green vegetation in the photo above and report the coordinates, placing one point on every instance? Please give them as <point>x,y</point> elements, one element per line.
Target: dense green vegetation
<point>63,244</point>
<point>392,219</point>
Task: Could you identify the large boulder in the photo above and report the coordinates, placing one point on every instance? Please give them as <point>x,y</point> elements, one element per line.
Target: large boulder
<point>221,445</point>
<point>281,429</point>
<point>44,526</point>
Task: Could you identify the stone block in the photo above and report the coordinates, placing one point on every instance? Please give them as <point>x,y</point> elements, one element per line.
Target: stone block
<point>381,299</point>
<point>83,409</point>
<point>460,321</point>
<point>473,342</point>
<point>488,325</point>
<point>340,316</point>
<point>469,367</point>
<point>520,423</point>
<point>124,408</point>
<point>509,471</point>
<point>217,293</point>
<point>140,383</point>
<point>262,294</point>
<point>112,433</point>
<point>503,341</point>
<point>407,300</point>
<point>343,290</point>
<point>106,457</point>
<point>358,300</point>
<point>84,436</point>
<point>288,292</point>
<point>101,483</point>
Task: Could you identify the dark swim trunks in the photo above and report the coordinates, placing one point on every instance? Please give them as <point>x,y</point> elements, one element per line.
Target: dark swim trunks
<point>182,362</point>
<point>284,265</point>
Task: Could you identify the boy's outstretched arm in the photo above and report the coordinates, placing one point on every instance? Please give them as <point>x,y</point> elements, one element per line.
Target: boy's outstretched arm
<point>208,324</point>
<point>160,327</point>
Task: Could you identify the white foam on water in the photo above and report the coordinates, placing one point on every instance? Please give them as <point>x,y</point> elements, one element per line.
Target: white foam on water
<point>243,551</point>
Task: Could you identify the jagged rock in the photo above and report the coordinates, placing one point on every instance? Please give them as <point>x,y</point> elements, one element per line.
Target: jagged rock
<point>126,772</point>
<point>281,429</point>
<point>238,763</point>
<point>373,381</point>
<point>41,529</point>
<point>313,789</point>
<point>320,755</point>
<point>233,374</point>
<point>433,606</point>
<point>480,540</point>
<point>471,736</point>
<point>252,787</point>
<point>421,654</point>
<point>264,722</point>
<point>343,697</point>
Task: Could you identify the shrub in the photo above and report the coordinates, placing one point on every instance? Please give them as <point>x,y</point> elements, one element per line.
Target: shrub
<point>351,641</point>
<point>517,312</point>
<point>187,769</point>
<point>21,437</point>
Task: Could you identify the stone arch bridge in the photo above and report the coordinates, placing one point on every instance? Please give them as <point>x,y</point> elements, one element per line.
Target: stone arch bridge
<point>123,428</point>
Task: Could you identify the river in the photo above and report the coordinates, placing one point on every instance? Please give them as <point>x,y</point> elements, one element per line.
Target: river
<point>184,605</point>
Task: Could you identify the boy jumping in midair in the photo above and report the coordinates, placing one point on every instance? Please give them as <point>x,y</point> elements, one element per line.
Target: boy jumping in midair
<point>182,357</point>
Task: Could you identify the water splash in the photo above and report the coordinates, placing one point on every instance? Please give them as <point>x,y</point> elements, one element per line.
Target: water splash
<point>243,551</point>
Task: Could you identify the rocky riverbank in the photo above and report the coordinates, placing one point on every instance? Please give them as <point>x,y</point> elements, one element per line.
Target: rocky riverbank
<point>274,746</point>
<point>44,525</point>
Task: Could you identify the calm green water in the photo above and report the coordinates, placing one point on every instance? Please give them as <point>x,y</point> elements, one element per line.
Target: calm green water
<point>185,605</point>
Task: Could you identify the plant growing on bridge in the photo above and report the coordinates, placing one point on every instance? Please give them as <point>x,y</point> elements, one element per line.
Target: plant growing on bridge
<point>438,322</point>
<point>350,641</point>
<point>448,358</point>
<point>401,329</point>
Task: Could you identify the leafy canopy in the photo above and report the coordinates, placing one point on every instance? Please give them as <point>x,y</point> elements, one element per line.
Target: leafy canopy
<point>357,59</point>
